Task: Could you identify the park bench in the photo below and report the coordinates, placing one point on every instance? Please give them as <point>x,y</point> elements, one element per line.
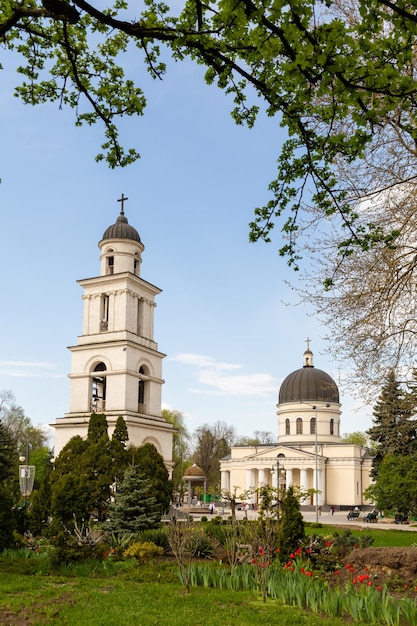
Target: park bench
<point>372,516</point>
<point>401,519</point>
<point>353,514</point>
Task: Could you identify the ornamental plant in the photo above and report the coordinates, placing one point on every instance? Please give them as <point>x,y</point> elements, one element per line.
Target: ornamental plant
<point>143,551</point>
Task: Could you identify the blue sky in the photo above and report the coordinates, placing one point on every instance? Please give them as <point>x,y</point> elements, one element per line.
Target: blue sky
<point>223,317</point>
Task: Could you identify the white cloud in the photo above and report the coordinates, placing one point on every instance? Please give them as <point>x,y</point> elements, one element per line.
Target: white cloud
<point>28,369</point>
<point>215,376</point>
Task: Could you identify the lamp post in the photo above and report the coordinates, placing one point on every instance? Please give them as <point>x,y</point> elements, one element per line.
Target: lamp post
<point>26,476</point>
<point>279,472</point>
<point>315,407</point>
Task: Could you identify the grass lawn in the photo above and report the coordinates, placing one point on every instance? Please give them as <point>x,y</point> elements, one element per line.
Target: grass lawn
<point>382,537</point>
<point>126,593</point>
<point>41,600</point>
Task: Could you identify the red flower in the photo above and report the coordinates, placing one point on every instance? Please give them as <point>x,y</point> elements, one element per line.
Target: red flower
<point>335,572</point>
<point>379,588</point>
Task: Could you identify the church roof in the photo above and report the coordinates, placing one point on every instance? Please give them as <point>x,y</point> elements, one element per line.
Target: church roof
<point>194,470</point>
<point>308,384</point>
<point>121,229</point>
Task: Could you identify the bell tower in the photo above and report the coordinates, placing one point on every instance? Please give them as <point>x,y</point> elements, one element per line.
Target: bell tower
<point>116,365</point>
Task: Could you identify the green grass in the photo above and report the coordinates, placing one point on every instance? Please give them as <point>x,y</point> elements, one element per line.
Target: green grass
<point>382,537</point>
<point>111,594</point>
<point>121,600</point>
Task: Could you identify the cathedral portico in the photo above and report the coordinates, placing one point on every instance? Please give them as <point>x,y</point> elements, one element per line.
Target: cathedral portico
<point>309,454</point>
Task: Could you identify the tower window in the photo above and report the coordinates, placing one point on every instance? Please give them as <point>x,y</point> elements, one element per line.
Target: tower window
<point>299,425</point>
<point>104,312</point>
<point>110,265</point>
<point>313,426</point>
<point>140,317</point>
<point>98,389</point>
<point>287,426</point>
<point>141,392</point>
<point>136,265</point>
<point>332,426</point>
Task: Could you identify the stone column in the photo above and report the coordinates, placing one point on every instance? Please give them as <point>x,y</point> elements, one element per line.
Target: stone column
<point>225,480</point>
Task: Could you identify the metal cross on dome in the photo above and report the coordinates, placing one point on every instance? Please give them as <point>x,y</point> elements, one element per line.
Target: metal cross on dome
<point>122,200</point>
<point>308,343</point>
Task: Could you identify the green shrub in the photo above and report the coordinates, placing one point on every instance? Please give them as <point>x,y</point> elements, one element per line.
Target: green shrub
<point>143,551</point>
<point>201,546</point>
<point>204,518</point>
<point>158,536</point>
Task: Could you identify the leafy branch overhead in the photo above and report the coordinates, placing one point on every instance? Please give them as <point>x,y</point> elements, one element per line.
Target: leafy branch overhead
<point>339,77</point>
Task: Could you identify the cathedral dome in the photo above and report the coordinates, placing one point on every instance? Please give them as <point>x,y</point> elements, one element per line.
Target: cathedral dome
<point>308,384</point>
<point>121,230</point>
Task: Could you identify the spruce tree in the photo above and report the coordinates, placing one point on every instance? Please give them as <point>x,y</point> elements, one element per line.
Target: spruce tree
<point>135,506</point>
<point>152,465</point>
<point>394,430</point>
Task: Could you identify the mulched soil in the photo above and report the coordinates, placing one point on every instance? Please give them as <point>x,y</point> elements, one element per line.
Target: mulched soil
<point>395,566</point>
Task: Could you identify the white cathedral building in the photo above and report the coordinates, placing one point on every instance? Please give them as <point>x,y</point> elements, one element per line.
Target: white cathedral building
<point>116,365</point>
<point>309,452</point>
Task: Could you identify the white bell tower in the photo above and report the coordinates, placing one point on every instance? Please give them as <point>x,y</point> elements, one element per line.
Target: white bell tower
<point>116,366</point>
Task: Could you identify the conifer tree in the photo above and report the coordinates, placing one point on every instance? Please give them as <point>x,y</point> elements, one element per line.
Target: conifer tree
<point>6,519</point>
<point>135,506</point>
<point>292,530</point>
<point>8,452</point>
<point>97,427</point>
<point>120,432</point>
<point>394,430</point>
<point>152,465</point>
<point>41,505</point>
<point>118,451</point>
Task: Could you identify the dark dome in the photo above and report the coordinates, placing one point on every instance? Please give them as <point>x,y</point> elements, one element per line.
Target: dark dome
<point>121,230</point>
<point>308,384</point>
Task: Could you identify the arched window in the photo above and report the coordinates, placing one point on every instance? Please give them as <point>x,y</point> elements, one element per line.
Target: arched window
<point>332,426</point>
<point>287,426</point>
<point>136,265</point>
<point>313,426</point>
<point>98,389</point>
<point>299,424</point>
<point>141,392</point>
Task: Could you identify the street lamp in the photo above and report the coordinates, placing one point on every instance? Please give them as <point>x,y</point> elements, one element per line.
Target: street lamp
<point>26,476</point>
<point>279,474</point>
<point>315,407</point>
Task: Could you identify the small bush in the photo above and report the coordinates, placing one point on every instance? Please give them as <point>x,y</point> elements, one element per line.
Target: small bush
<point>158,536</point>
<point>201,546</point>
<point>204,518</point>
<point>143,551</point>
